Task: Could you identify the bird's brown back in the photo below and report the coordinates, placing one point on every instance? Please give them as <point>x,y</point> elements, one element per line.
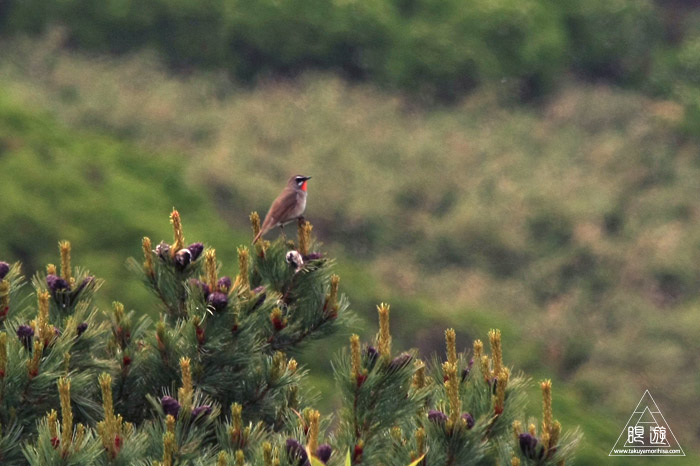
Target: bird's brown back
<point>281,207</point>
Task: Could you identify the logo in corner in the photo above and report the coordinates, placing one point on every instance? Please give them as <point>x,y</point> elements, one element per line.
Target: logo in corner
<point>647,433</point>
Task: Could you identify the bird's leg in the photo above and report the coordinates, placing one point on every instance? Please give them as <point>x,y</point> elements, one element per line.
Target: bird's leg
<point>301,220</point>
<point>282,230</point>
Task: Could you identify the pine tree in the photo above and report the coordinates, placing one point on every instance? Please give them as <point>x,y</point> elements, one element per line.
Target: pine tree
<point>214,381</point>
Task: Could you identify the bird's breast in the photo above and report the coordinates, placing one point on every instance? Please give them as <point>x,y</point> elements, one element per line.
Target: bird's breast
<point>301,204</point>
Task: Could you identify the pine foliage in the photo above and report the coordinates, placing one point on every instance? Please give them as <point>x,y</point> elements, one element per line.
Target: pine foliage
<point>214,380</point>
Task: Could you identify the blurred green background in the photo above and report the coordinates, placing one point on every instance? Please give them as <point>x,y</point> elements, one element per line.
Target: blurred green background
<point>527,165</point>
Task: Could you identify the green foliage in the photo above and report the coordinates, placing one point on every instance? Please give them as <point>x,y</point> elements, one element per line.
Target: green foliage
<point>614,39</point>
<point>231,346</point>
<point>88,179</point>
<point>445,48</point>
<point>28,390</point>
<point>478,175</point>
<point>218,344</point>
<point>375,401</point>
<point>434,49</point>
<point>45,452</point>
<point>471,423</point>
<point>676,75</point>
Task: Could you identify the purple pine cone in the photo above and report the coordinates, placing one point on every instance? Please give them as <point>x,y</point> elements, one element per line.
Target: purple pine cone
<point>296,451</point>
<point>81,328</point>
<point>494,385</point>
<point>437,416</point>
<point>162,250</point>
<point>4,268</point>
<point>371,354</point>
<point>313,256</point>
<point>469,418</point>
<point>224,284</point>
<point>259,292</point>
<point>183,258</point>
<point>25,333</point>
<point>294,259</point>
<point>170,405</point>
<point>400,361</point>
<point>56,283</point>
<point>467,370</point>
<point>202,286</point>
<point>528,445</point>
<point>195,250</point>
<point>218,301</point>
<point>323,452</point>
<point>86,281</point>
<point>204,409</point>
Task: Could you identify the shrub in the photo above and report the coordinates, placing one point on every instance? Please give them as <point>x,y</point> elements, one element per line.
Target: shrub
<point>436,49</point>
<point>612,39</point>
<point>213,382</point>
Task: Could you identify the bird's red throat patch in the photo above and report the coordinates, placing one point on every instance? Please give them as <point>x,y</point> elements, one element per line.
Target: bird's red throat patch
<point>303,186</point>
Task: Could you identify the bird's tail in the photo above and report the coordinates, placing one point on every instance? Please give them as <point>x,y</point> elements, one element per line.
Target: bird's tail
<point>257,237</point>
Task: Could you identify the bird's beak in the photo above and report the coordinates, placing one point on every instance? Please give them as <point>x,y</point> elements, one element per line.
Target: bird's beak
<point>307,178</point>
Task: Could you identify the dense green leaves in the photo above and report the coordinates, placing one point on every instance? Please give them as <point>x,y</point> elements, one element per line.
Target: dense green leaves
<point>219,353</point>
<point>435,49</point>
<point>162,388</point>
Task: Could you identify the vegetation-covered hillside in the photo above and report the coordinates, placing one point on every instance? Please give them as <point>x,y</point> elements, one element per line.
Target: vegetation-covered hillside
<point>572,225</point>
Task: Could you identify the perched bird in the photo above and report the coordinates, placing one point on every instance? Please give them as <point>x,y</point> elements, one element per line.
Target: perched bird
<point>288,206</point>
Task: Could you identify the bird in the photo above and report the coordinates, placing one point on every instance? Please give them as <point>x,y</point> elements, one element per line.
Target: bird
<point>288,206</point>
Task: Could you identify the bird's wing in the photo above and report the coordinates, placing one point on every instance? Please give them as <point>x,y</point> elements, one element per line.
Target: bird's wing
<point>280,210</point>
